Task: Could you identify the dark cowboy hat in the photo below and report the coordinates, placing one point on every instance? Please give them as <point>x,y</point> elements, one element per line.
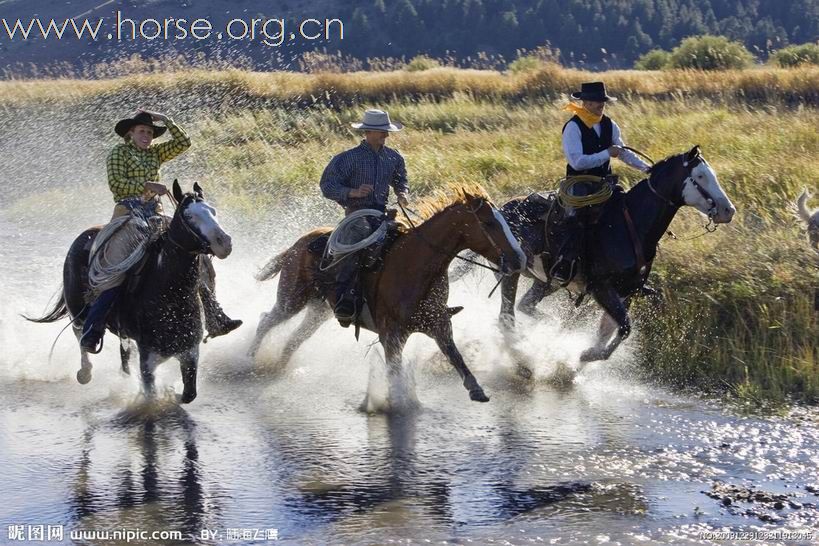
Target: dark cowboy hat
<point>125,125</point>
<point>594,91</point>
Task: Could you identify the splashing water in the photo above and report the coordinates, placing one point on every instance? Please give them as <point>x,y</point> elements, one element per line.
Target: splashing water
<point>574,454</point>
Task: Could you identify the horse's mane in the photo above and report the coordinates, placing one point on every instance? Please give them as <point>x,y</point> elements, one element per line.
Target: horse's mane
<point>448,195</point>
<point>661,164</point>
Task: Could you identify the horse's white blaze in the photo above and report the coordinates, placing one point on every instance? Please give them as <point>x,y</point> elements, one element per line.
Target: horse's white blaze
<point>511,238</point>
<point>202,217</point>
<point>721,210</point>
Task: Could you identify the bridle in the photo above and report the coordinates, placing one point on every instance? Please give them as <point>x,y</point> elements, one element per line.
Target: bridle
<point>689,166</point>
<point>474,211</point>
<point>203,244</point>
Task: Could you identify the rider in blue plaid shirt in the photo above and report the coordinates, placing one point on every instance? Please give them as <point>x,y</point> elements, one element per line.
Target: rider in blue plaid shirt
<point>360,178</point>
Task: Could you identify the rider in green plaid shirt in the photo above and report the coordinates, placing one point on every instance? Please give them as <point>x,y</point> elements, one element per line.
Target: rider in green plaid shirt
<point>130,166</point>
<point>133,174</point>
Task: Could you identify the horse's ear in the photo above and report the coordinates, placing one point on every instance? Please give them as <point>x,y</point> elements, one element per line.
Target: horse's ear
<point>693,153</point>
<point>177,191</point>
<point>197,189</point>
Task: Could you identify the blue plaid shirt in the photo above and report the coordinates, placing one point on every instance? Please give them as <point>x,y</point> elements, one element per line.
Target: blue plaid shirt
<point>362,165</point>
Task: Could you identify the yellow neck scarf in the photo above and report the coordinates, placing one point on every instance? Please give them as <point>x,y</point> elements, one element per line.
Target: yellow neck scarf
<point>585,116</point>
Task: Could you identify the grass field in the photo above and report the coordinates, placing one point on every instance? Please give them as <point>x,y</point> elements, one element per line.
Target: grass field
<point>739,311</point>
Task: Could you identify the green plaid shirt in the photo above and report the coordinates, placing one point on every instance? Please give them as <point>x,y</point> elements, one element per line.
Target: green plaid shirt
<point>130,167</point>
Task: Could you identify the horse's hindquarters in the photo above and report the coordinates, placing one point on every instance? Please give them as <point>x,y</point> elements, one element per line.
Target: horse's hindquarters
<point>75,272</point>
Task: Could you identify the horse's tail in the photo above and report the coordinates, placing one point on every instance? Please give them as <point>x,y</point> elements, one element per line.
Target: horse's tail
<point>59,311</point>
<point>273,267</point>
<point>802,206</point>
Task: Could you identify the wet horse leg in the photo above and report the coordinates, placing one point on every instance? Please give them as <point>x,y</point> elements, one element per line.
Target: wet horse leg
<point>393,351</point>
<point>615,321</point>
<point>317,313</point>
<point>148,362</point>
<point>284,310</point>
<point>533,296</point>
<point>126,348</point>
<point>84,373</point>
<point>443,337</point>
<point>188,365</point>
<point>509,290</point>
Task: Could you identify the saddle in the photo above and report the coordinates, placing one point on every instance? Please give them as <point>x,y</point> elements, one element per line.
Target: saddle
<point>373,255</point>
<point>370,259</point>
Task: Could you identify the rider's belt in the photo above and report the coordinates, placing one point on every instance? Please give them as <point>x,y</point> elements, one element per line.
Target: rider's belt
<point>149,207</point>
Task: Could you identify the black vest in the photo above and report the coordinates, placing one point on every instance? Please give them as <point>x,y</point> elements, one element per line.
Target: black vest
<point>592,144</point>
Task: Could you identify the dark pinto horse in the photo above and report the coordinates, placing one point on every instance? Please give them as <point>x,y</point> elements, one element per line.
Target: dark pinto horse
<point>163,314</point>
<point>409,293</point>
<point>621,246</point>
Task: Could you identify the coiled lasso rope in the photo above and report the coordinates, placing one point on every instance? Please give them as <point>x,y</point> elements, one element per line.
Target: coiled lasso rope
<point>578,201</point>
<point>338,250</point>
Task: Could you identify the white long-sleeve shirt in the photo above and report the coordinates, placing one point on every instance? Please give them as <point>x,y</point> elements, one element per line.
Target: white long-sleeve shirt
<point>573,149</point>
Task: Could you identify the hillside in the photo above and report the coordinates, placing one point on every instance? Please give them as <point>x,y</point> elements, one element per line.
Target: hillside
<point>476,32</point>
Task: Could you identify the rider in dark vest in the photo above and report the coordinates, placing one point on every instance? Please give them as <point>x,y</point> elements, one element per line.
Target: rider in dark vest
<point>590,140</point>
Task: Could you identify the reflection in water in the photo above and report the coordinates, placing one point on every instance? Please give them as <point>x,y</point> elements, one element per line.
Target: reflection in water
<point>150,488</point>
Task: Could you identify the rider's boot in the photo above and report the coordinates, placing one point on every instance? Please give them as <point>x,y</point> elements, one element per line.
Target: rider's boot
<point>216,321</point>
<point>346,295</point>
<point>93,328</point>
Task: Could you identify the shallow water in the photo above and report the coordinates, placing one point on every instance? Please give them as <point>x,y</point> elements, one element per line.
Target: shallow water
<point>598,458</point>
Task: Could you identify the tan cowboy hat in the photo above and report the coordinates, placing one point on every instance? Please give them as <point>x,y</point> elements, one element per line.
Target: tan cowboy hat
<point>377,120</point>
<point>124,125</point>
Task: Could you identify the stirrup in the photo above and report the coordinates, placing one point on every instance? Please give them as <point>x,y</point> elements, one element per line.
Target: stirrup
<point>345,317</point>
<point>93,350</point>
<point>572,272</point>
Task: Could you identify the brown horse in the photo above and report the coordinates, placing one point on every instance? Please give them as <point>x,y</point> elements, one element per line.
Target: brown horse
<point>409,293</point>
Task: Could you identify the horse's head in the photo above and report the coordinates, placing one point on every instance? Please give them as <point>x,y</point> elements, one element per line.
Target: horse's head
<point>489,234</point>
<point>687,179</point>
<point>194,226</point>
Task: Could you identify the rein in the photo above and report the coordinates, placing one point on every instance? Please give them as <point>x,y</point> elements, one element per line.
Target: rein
<point>497,271</point>
<point>710,226</point>
<point>439,250</point>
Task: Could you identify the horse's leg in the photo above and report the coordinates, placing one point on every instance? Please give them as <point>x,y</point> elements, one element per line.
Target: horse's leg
<point>509,289</point>
<point>147,365</point>
<point>317,313</point>
<point>84,373</point>
<point>533,296</point>
<point>126,348</point>
<point>393,352</point>
<point>280,313</point>
<point>443,337</point>
<point>615,321</point>
<point>188,365</point>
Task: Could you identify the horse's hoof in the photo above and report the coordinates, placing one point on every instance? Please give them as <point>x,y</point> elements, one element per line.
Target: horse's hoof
<point>477,395</point>
<point>590,355</point>
<point>84,376</point>
<point>187,398</point>
<point>523,372</point>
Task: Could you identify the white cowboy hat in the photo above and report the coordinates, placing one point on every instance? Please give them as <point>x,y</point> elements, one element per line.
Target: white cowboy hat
<point>377,120</point>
